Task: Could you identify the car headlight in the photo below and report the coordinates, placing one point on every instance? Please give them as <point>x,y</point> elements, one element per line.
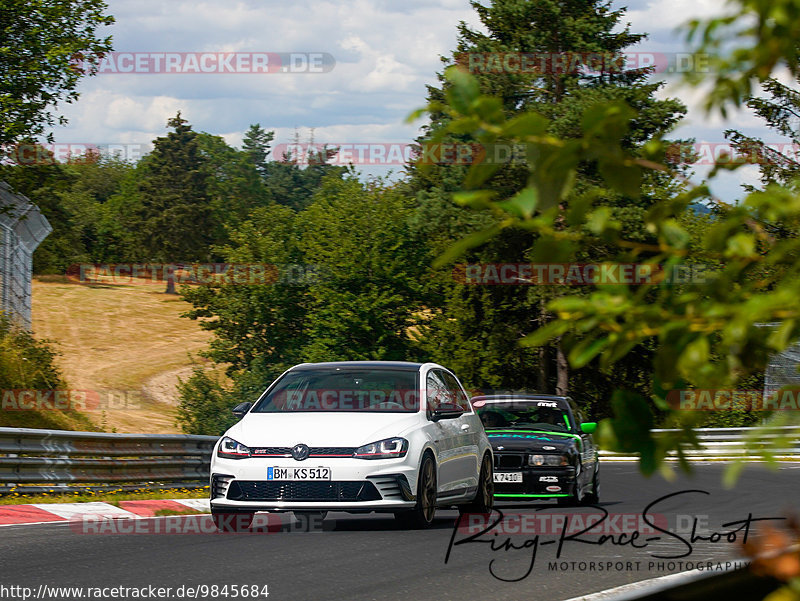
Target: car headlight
<point>232,449</point>
<point>389,448</point>
<point>548,460</point>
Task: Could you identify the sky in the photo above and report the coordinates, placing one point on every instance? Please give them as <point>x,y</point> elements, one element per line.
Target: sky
<point>359,68</point>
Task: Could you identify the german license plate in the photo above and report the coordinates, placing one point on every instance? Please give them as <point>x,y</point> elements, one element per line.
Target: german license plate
<point>508,476</point>
<point>298,473</point>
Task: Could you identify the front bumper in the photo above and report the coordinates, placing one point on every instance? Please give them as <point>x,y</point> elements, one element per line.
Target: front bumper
<point>355,485</point>
<point>537,482</point>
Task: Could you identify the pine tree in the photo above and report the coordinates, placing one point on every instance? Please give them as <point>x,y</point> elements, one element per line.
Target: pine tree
<point>175,217</point>
<point>293,180</point>
<point>491,319</point>
<point>256,144</point>
<point>781,111</point>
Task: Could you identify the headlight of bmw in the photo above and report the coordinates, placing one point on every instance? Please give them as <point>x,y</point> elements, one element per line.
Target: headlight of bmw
<point>231,449</point>
<point>548,460</point>
<point>390,448</point>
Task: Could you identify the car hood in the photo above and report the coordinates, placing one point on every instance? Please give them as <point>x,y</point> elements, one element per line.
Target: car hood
<point>531,440</point>
<point>320,430</point>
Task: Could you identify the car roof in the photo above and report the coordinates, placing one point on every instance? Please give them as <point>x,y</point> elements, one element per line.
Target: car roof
<point>521,396</point>
<point>399,365</point>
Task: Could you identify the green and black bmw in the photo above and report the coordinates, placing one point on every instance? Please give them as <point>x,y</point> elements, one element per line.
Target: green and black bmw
<point>542,448</point>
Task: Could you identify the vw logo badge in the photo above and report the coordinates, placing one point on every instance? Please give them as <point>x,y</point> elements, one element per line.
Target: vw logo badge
<point>300,452</point>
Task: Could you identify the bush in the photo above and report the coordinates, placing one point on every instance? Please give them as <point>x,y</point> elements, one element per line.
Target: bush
<point>205,406</point>
<point>29,364</point>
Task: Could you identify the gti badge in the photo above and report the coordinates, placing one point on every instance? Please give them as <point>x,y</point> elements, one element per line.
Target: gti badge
<point>300,452</point>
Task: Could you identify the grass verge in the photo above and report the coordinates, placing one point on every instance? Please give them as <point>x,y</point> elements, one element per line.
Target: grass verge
<point>112,497</point>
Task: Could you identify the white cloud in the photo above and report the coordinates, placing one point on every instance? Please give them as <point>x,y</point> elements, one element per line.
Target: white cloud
<point>660,18</point>
<point>385,52</point>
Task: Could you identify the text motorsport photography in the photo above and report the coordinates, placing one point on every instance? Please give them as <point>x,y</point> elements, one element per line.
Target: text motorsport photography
<point>655,541</point>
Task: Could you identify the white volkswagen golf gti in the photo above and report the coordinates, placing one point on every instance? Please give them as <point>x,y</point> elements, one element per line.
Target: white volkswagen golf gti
<point>356,436</point>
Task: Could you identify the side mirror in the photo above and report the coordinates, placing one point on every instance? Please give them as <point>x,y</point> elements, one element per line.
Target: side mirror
<point>447,411</point>
<point>240,409</point>
<point>588,427</point>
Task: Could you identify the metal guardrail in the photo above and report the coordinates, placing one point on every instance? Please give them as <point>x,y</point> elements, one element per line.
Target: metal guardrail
<point>731,443</point>
<point>31,459</point>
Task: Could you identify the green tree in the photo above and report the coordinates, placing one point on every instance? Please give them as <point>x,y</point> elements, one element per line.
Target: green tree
<point>74,196</point>
<point>479,327</point>
<point>96,180</point>
<point>705,333</point>
<point>358,237</point>
<point>781,111</point>
<point>234,186</point>
<point>44,180</point>
<point>343,286</point>
<point>294,184</point>
<point>260,326</point>
<point>47,47</point>
<point>256,144</point>
<point>259,329</point>
<point>175,221</point>
<point>205,405</point>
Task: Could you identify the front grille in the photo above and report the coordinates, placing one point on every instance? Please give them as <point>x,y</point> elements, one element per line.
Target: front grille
<point>272,451</point>
<point>313,451</point>
<point>508,460</point>
<point>260,490</point>
<point>332,451</point>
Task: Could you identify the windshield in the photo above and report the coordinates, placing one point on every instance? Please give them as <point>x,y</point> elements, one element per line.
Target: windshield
<point>338,390</point>
<point>523,415</point>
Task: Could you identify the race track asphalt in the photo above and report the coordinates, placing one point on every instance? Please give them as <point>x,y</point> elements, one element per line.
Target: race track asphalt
<point>367,557</point>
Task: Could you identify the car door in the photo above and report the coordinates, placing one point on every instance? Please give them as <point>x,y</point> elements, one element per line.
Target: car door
<point>445,433</point>
<point>467,431</point>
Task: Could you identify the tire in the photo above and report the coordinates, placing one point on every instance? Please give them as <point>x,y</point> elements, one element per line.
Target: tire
<point>593,498</point>
<point>484,498</point>
<point>422,514</point>
<point>232,522</point>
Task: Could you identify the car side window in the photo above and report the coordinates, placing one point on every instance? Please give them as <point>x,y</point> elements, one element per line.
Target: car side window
<point>436,390</point>
<point>456,392</point>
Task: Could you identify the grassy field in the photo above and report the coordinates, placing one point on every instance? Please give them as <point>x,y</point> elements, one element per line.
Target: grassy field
<point>125,338</point>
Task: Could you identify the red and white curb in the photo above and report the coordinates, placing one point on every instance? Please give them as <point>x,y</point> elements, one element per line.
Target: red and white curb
<point>40,513</point>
